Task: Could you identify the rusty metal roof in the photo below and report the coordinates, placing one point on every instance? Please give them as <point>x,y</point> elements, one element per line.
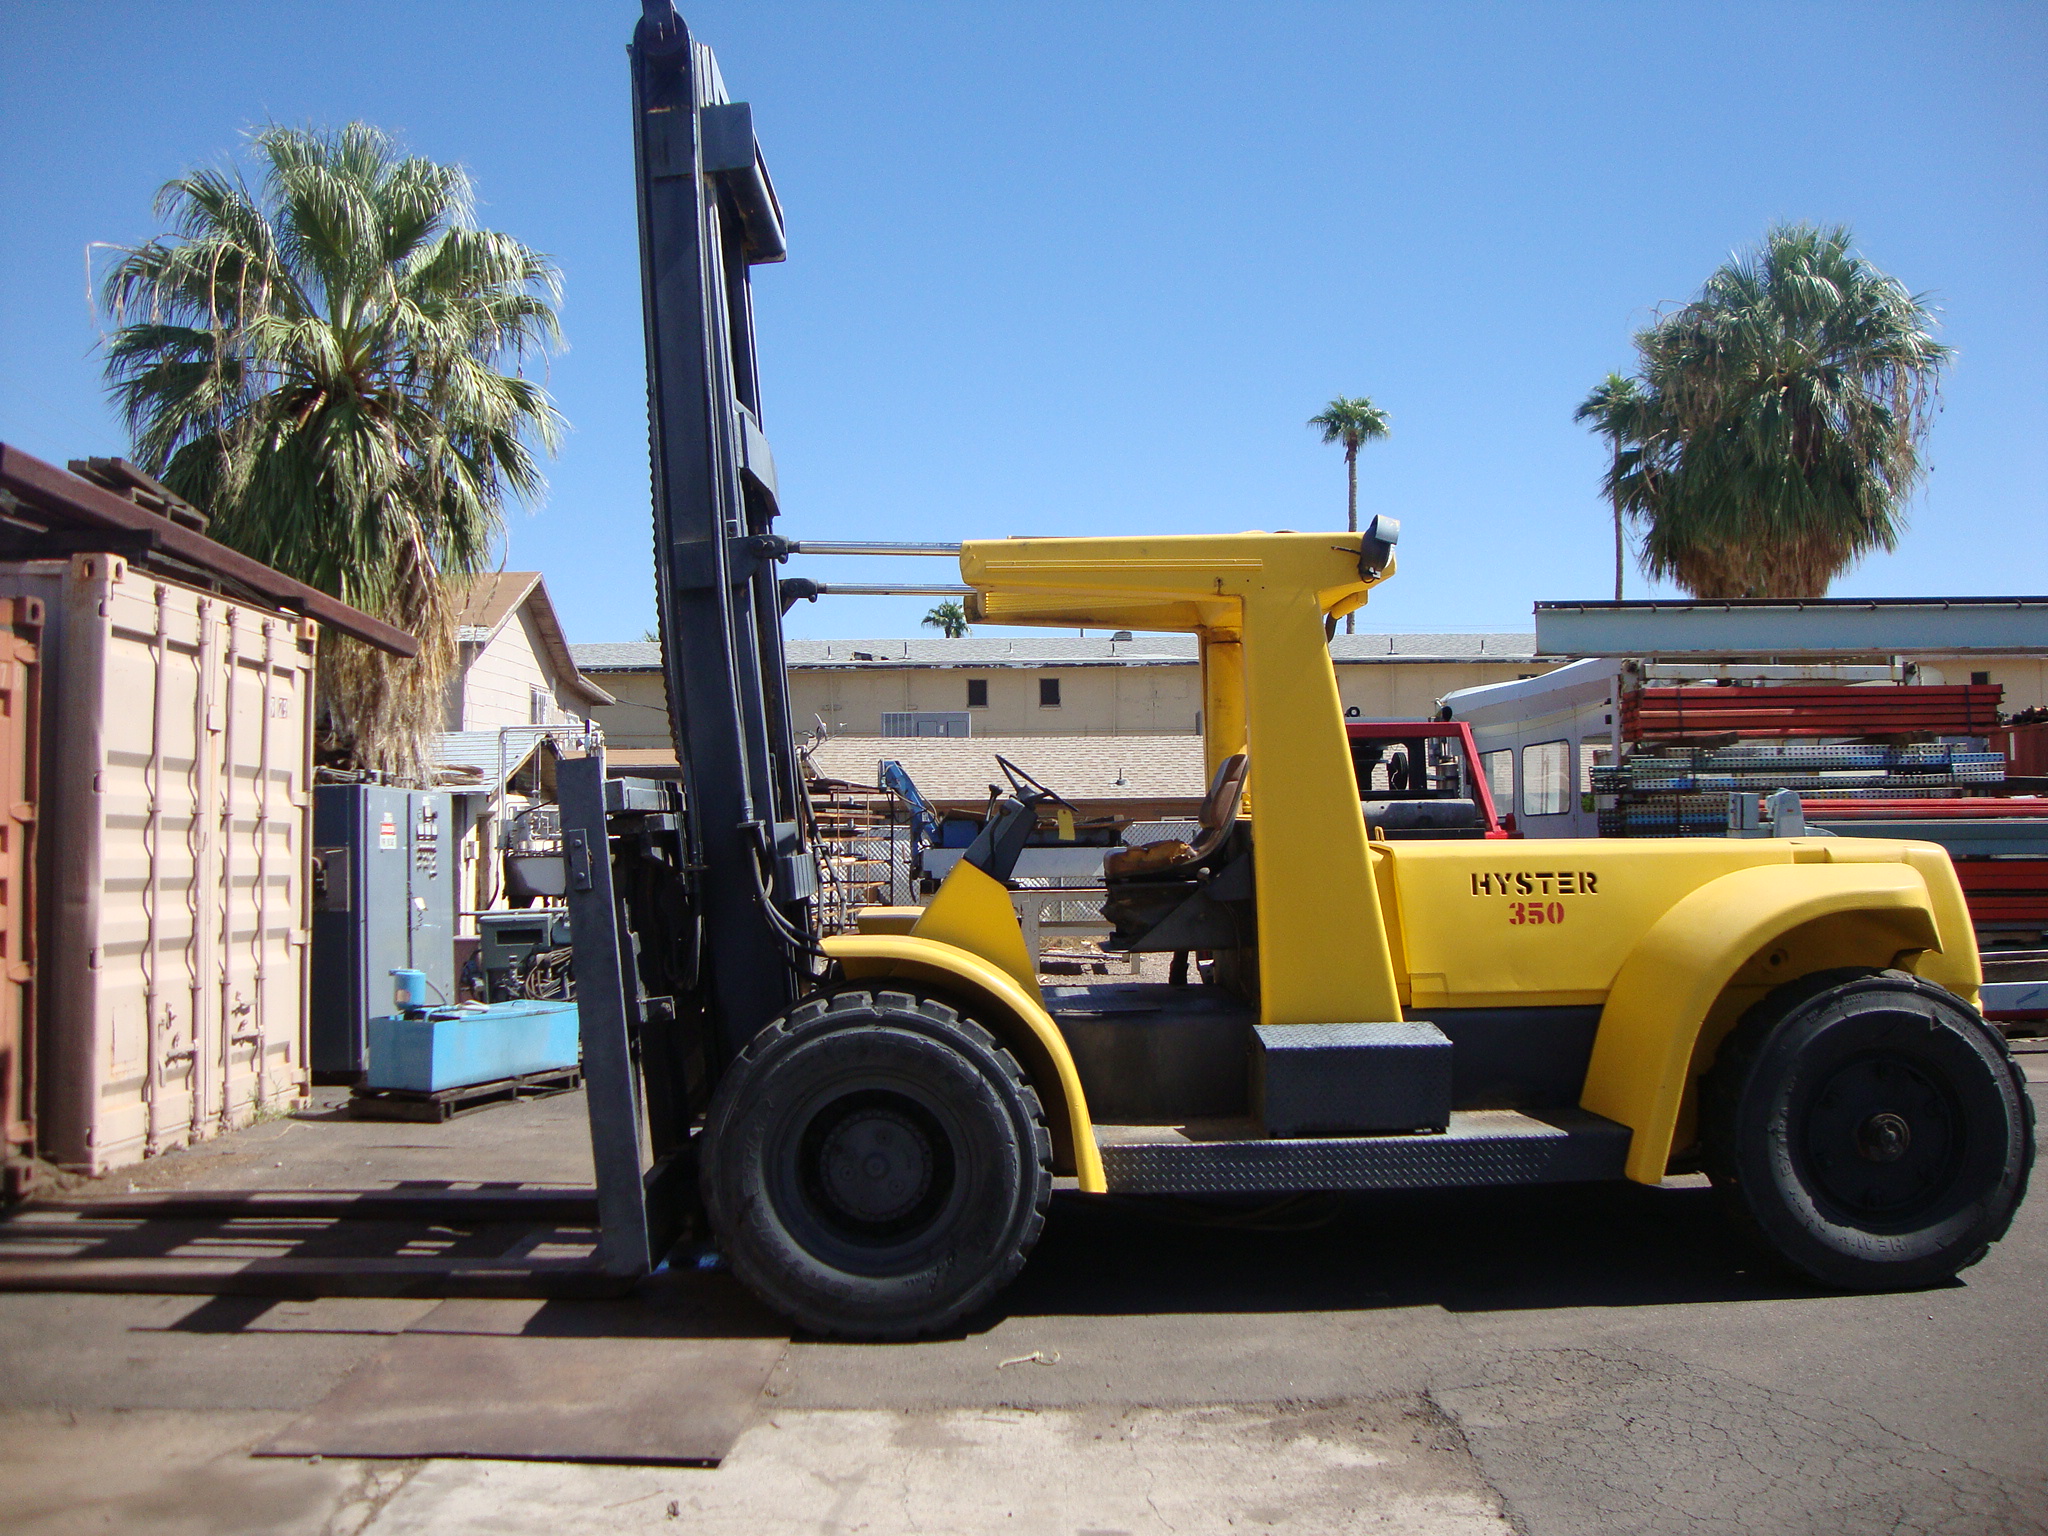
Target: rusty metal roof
<point>50,506</point>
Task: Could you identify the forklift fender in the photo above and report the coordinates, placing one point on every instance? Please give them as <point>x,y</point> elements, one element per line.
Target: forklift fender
<point>1007,1011</point>
<point>1650,1026</point>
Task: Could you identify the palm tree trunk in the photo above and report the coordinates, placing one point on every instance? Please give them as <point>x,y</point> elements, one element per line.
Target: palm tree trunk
<point>1351,468</point>
<point>1618,541</point>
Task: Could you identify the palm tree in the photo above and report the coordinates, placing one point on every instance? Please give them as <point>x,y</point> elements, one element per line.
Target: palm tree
<point>1618,410</point>
<point>1788,404</point>
<point>949,618</point>
<point>315,361</point>
<point>1354,423</point>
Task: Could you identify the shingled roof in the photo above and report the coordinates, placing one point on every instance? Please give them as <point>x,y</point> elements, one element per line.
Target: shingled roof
<point>488,606</point>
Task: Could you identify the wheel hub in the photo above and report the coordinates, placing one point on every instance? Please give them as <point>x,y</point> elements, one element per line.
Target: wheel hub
<point>876,1165</point>
<point>1883,1138</point>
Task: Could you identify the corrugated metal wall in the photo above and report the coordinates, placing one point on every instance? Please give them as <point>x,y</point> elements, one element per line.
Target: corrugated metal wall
<point>21,625</point>
<point>177,761</point>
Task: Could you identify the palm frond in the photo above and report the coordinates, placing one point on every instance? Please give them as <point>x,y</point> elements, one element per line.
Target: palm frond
<point>1773,433</point>
<point>1353,422</point>
<point>319,361</point>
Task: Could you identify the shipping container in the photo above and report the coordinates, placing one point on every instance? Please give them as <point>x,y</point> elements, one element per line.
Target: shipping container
<point>21,624</point>
<point>172,859</point>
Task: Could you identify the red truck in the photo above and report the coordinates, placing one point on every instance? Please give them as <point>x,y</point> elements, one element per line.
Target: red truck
<point>1420,779</point>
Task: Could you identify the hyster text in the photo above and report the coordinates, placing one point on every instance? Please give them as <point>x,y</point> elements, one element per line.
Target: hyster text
<point>1538,882</point>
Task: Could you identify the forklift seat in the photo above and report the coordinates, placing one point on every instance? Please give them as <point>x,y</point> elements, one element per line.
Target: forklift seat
<point>1217,816</point>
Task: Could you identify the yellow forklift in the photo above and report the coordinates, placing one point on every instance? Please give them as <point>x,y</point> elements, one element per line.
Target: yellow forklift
<point>870,1126</point>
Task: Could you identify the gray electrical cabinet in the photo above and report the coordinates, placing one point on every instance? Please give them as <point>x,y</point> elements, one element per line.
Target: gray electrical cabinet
<point>384,886</point>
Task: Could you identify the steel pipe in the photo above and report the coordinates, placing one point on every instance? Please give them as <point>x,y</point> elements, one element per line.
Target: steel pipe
<point>870,589</point>
<point>867,547</point>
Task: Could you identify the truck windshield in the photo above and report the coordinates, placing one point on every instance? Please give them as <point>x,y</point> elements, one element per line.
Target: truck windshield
<point>1410,768</point>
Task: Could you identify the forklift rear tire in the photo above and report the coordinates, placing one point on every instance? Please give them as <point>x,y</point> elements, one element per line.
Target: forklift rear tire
<point>875,1165</point>
<point>1869,1128</point>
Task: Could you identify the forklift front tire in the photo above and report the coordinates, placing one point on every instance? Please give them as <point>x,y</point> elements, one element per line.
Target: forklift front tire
<point>1870,1128</point>
<point>875,1165</point>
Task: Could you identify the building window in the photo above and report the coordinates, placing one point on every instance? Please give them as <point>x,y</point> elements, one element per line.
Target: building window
<point>926,722</point>
<point>1980,678</point>
<point>537,703</point>
<point>1048,693</point>
<point>1546,778</point>
<point>977,693</point>
<point>1499,768</point>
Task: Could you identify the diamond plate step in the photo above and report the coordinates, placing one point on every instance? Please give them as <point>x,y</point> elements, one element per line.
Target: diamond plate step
<point>1481,1147</point>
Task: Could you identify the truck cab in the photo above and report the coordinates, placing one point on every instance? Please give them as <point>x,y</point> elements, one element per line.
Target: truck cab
<point>1421,779</point>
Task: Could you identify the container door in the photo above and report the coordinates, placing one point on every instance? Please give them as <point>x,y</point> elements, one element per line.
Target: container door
<point>262,740</point>
<point>21,621</point>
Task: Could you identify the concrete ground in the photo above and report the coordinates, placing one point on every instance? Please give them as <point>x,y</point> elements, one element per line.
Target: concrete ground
<point>1550,1362</point>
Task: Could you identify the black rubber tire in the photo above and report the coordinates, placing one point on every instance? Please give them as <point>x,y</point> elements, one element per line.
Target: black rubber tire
<point>876,1166</point>
<point>1869,1128</point>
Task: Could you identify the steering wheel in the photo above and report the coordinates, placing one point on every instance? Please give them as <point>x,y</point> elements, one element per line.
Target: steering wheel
<point>1020,781</point>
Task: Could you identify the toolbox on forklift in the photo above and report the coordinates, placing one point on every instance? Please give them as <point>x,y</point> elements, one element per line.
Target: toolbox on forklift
<point>1349,1079</point>
<point>869,1124</point>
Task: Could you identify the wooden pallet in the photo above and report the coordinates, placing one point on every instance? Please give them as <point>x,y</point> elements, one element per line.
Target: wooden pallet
<point>446,1103</point>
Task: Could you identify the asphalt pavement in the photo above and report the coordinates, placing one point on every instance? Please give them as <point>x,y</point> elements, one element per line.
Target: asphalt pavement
<point>1584,1359</point>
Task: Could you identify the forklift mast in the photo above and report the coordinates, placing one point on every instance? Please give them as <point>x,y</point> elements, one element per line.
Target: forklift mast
<point>691,900</point>
<point>708,215</point>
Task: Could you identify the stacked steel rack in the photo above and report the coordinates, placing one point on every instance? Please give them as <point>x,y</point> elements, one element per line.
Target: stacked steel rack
<point>1686,791</point>
<point>1672,714</point>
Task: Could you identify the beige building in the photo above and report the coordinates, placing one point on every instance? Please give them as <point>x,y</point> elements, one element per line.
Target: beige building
<point>1047,685</point>
<point>515,667</point>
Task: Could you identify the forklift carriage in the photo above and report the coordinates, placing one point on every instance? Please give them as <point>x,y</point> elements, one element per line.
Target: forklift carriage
<point>870,1125</point>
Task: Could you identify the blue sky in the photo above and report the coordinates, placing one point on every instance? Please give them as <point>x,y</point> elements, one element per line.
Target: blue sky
<point>1088,268</point>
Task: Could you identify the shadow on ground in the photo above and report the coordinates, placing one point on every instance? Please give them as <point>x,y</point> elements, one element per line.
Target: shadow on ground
<point>1464,1251</point>
<point>1604,1245</point>
<point>1593,1245</point>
